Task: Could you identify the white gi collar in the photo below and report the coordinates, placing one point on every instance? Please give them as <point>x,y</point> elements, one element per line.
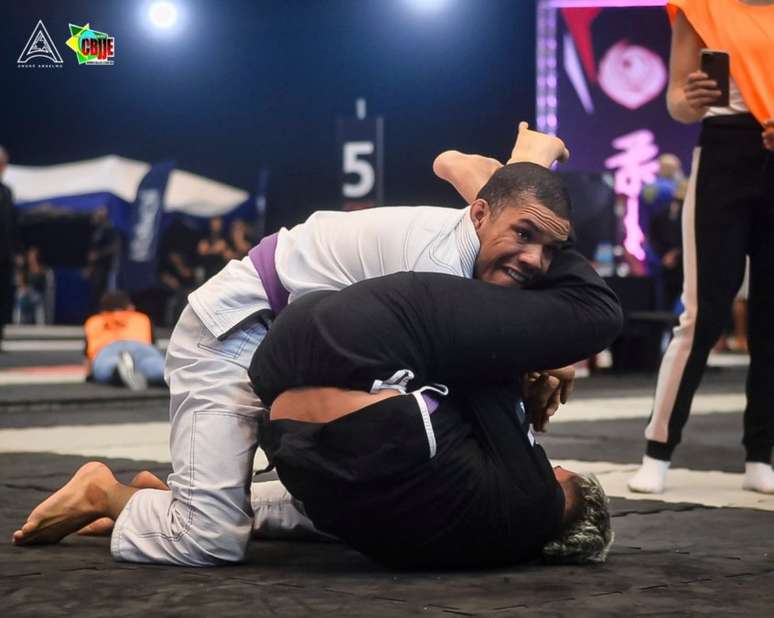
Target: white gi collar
<point>467,243</point>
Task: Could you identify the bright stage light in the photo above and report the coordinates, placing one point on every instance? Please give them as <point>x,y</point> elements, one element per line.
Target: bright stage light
<point>427,6</point>
<point>163,15</point>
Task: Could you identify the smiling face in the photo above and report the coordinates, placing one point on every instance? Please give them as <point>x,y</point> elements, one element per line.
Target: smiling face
<point>517,241</point>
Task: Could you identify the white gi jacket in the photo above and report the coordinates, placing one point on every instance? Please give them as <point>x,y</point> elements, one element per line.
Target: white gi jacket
<point>332,250</point>
<point>207,517</point>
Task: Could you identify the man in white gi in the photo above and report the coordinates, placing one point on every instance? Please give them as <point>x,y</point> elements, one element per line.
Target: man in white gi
<point>207,518</point>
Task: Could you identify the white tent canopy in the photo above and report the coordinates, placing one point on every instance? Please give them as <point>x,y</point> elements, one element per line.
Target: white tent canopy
<point>186,192</point>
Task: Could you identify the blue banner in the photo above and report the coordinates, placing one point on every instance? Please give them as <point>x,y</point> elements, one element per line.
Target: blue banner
<point>140,252</point>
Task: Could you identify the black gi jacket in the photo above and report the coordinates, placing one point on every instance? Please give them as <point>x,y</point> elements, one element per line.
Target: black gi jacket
<point>488,497</point>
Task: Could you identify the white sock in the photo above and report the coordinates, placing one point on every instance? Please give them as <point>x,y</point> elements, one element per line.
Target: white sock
<point>649,479</point>
<point>758,477</point>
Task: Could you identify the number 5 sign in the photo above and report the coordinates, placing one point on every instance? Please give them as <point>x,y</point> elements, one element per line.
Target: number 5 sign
<point>360,142</point>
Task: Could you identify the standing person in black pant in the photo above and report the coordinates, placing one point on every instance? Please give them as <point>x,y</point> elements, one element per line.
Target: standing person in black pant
<point>103,253</point>
<point>728,214</point>
<point>666,239</point>
<point>9,247</point>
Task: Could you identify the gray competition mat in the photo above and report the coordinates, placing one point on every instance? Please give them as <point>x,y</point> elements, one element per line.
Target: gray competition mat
<point>668,559</point>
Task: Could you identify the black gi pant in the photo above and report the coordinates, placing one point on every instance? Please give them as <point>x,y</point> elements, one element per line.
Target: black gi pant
<point>487,497</point>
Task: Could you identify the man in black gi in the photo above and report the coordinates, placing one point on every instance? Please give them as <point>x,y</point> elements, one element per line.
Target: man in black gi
<point>406,479</point>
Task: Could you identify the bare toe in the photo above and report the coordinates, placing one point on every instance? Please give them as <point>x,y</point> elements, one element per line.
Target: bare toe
<point>147,480</point>
<point>102,527</point>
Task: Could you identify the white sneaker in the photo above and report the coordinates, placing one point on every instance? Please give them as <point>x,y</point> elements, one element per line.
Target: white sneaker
<point>758,477</point>
<point>650,478</point>
<point>132,379</point>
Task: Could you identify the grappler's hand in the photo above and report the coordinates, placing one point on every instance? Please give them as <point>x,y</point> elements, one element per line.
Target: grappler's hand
<point>544,391</point>
<point>541,398</point>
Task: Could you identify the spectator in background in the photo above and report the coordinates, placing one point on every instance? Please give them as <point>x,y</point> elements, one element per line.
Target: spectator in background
<point>119,344</point>
<point>9,246</point>
<point>103,253</point>
<point>32,280</point>
<point>666,240</point>
<point>214,251</point>
<point>734,338</point>
<point>658,195</point>
<point>243,238</point>
<point>177,258</point>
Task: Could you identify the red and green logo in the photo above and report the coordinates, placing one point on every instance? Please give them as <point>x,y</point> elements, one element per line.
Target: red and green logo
<point>91,46</point>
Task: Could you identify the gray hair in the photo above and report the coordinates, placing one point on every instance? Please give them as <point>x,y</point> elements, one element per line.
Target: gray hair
<point>588,539</point>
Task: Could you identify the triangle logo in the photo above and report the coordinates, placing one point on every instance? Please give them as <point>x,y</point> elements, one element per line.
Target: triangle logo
<point>40,45</point>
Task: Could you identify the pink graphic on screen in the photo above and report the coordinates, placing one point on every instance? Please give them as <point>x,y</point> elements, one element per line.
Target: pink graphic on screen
<point>634,167</point>
<point>631,75</point>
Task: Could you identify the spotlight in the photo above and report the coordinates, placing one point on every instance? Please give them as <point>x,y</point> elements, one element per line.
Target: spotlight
<point>163,15</point>
<point>427,6</point>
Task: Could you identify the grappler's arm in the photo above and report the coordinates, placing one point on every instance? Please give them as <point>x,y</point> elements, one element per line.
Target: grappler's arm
<point>443,328</point>
<point>452,330</point>
<point>569,315</point>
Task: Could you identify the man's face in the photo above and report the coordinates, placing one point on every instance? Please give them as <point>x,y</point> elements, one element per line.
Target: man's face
<point>517,241</point>
<point>669,165</point>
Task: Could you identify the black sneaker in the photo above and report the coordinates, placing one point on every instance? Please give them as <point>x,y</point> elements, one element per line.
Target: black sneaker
<point>132,379</point>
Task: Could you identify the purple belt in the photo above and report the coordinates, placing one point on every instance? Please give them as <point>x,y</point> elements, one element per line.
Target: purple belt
<point>431,401</point>
<point>262,257</point>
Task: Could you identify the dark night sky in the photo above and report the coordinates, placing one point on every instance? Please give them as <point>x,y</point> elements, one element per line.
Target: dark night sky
<point>244,83</point>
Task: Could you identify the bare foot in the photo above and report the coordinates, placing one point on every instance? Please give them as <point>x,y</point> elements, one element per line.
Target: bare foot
<point>82,500</point>
<point>465,172</point>
<point>104,525</point>
<point>536,147</point>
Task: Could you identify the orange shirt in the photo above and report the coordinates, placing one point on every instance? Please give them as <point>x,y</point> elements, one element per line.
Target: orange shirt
<point>746,32</point>
<point>109,326</point>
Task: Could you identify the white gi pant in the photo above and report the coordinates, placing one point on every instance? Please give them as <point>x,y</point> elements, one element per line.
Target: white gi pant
<point>207,517</point>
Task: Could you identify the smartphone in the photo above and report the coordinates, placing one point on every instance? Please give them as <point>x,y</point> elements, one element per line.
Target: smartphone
<point>715,64</point>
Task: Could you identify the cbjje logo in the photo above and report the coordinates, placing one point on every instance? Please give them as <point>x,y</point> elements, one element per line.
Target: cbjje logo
<point>90,46</point>
<point>40,45</point>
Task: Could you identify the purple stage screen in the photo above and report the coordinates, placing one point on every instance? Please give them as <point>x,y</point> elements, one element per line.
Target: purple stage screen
<point>602,75</point>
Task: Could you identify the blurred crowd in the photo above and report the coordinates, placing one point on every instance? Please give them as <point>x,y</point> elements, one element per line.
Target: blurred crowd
<point>190,251</point>
<point>188,256</point>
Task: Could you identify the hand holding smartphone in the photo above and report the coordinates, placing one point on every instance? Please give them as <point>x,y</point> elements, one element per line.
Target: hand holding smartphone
<point>715,64</point>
